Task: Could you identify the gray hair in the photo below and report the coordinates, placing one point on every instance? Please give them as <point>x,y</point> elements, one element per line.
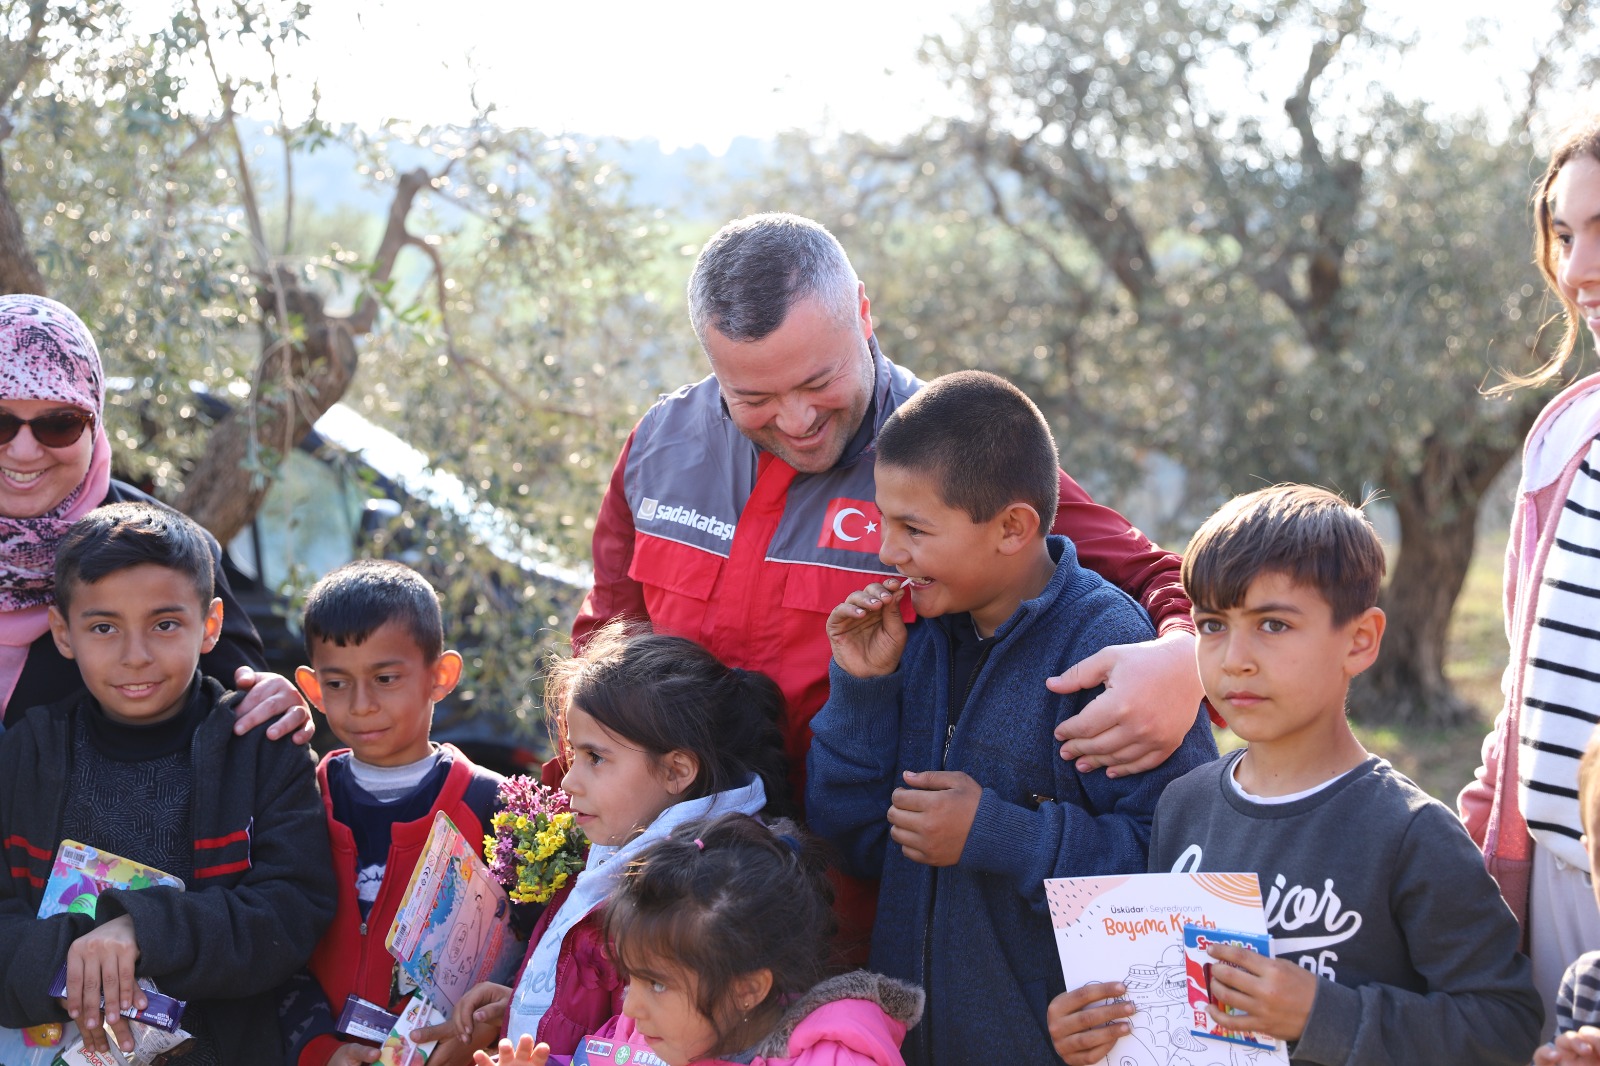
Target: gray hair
<point>753,270</point>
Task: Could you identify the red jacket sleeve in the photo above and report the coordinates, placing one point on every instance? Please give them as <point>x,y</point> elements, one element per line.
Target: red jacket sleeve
<point>1109,545</point>
<point>614,593</point>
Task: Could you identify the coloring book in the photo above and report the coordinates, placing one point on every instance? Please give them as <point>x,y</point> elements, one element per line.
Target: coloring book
<point>81,873</point>
<point>453,928</point>
<point>78,875</point>
<point>1130,929</point>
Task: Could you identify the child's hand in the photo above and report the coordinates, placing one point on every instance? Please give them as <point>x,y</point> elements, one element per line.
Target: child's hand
<point>524,1054</point>
<point>931,818</point>
<point>1576,1048</point>
<point>354,1055</point>
<point>866,631</point>
<point>100,964</point>
<point>1274,994</point>
<point>1083,1034</point>
<point>474,1020</point>
<point>452,1052</point>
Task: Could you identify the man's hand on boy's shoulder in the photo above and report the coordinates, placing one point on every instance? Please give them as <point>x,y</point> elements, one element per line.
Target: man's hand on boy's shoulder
<point>932,816</point>
<point>866,631</point>
<point>1274,994</point>
<point>1151,698</point>
<point>100,965</point>
<point>267,697</point>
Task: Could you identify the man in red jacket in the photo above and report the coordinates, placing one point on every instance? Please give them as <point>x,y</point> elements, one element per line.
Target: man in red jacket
<point>741,505</point>
<point>740,511</point>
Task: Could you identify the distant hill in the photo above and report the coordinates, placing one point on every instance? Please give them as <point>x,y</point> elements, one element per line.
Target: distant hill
<point>675,181</point>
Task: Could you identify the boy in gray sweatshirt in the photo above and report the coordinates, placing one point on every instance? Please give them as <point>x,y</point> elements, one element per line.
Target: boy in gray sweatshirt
<point>1390,942</point>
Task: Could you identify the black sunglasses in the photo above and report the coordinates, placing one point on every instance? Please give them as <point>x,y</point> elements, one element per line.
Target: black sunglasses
<point>58,429</point>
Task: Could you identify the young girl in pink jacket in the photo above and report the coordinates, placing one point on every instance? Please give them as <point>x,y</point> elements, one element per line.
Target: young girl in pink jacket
<point>720,932</point>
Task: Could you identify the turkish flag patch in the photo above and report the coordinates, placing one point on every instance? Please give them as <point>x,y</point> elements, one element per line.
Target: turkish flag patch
<point>851,525</point>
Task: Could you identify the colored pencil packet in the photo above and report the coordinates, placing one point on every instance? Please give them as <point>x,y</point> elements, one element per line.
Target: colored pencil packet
<point>1198,967</point>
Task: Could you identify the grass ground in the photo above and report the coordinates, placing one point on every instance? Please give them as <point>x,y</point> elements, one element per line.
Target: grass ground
<point>1442,760</point>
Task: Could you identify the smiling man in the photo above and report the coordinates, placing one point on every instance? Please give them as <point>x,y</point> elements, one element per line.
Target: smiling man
<point>741,509</point>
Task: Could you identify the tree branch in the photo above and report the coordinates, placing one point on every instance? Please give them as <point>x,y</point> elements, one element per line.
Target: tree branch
<point>395,237</point>
<point>1090,202</point>
<point>1298,106</point>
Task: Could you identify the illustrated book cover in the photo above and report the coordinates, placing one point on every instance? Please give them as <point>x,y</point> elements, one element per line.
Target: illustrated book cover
<point>453,928</point>
<point>1130,928</point>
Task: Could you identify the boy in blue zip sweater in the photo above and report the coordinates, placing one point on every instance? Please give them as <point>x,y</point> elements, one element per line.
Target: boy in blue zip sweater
<point>933,764</point>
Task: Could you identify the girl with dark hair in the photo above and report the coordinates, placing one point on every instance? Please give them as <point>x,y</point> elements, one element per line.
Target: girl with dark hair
<point>720,931</point>
<point>1523,808</point>
<point>656,732</point>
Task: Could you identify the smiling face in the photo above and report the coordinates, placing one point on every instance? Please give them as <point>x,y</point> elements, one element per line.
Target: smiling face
<point>379,694</point>
<point>35,479</point>
<point>949,561</point>
<point>137,636</point>
<point>1276,667</point>
<point>802,391</point>
<point>616,788</point>
<point>1575,221</point>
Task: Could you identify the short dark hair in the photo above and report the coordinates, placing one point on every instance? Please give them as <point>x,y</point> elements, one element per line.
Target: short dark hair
<point>121,536</point>
<point>753,270</point>
<point>982,439</point>
<point>665,693</point>
<point>1311,536</point>
<point>721,898</point>
<point>352,602</point>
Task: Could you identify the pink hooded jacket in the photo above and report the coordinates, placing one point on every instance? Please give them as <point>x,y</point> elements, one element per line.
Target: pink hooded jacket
<point>855,1019</point>
<point>1489,805</point>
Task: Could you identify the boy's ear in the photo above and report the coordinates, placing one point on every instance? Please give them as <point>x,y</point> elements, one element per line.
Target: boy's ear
<point>750,990</point>
<point>678,769</point>
<point>306,678</point>
<point>213,625</point>
<point>1019,527</point>
<point>1366,637</point>
<point>58,630</point>
<point>446,674</point>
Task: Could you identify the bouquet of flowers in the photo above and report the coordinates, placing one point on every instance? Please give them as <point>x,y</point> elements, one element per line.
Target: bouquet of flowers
<point>536,847</point>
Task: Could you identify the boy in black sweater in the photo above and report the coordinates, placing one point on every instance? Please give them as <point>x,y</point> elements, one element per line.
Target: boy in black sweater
<point>1390,941</point>
<point>144,764</point>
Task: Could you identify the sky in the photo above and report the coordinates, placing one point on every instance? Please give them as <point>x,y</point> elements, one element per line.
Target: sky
<point>705,71</point>
<point>681,71</point>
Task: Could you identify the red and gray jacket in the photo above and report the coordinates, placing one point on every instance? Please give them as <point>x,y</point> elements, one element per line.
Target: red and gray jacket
<point>709,537</point>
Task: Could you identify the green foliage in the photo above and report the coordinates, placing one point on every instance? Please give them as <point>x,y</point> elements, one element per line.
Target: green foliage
<point>518,337</point>
<point>1219,253</point>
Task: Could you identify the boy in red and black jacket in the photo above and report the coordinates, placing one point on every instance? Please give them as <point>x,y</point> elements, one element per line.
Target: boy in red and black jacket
<point>376,642</point>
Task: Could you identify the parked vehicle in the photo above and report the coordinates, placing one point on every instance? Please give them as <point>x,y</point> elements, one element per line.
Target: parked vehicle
<point>352,482</point>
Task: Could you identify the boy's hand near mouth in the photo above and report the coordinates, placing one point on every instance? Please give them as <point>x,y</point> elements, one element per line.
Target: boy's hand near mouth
<point>867,632</point>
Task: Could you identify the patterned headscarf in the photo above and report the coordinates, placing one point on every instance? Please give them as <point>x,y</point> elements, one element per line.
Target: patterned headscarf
<point>46,353</point>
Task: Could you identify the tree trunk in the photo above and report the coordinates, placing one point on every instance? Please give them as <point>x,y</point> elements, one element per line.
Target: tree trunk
<point>297,384</point>
<point>19,269</point>
<point>1438,509</point>
<point>298,380</point>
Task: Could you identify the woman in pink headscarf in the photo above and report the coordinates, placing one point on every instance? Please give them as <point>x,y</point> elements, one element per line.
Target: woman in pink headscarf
<point>55,467</point>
